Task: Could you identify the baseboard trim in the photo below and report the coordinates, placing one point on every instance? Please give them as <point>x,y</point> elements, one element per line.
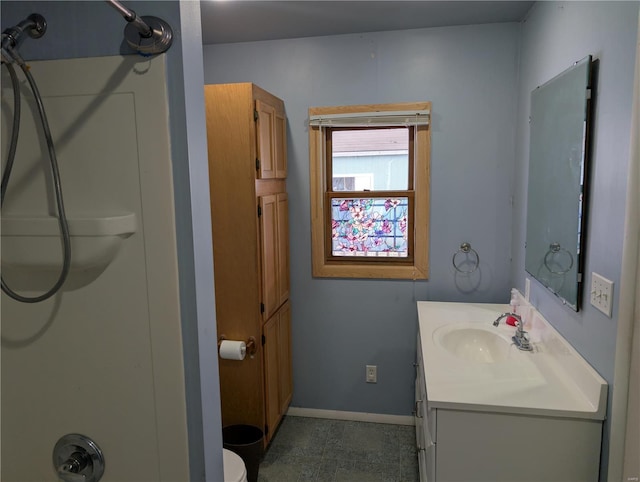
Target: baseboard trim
<point>352,416</point>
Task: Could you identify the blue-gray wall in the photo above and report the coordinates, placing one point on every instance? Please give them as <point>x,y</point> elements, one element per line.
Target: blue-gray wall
<point>470,76</point>
<point>554,36</point>
<point>93,29</point>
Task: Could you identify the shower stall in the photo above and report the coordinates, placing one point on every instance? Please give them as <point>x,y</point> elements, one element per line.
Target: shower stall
<point>92,340</point>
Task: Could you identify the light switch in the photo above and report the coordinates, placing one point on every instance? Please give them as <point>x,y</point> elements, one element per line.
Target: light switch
<point>601,293</point>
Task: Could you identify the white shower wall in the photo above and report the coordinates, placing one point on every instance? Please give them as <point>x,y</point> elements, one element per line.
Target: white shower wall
<point>103,359</point>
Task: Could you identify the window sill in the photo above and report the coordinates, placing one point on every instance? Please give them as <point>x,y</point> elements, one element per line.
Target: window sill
<point>380,271</point>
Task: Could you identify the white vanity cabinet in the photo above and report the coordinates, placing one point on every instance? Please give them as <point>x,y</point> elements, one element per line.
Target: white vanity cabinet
<point>424,425</point>
<point>477,422</point>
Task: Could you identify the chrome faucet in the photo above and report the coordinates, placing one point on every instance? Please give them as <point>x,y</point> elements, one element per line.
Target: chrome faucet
<point>520,338</point>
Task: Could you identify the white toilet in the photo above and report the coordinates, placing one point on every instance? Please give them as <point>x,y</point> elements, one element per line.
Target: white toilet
<point>234,469</point>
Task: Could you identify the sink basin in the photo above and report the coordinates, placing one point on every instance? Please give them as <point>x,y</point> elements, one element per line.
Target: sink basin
<point>475,344</point>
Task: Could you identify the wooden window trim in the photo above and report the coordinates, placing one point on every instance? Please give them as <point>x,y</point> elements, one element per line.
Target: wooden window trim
<point>323,265</point>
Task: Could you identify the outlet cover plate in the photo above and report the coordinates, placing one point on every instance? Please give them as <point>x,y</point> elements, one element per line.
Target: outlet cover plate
<point>601,293</point>
<point>372,374</point>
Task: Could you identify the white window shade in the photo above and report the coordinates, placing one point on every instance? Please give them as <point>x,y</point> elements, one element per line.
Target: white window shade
<point>372,119</point>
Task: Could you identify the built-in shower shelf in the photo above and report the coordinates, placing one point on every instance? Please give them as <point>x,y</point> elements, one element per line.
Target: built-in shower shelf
<point>32,248</point>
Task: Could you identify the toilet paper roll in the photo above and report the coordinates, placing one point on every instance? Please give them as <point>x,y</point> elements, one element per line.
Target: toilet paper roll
<point>233,350</point>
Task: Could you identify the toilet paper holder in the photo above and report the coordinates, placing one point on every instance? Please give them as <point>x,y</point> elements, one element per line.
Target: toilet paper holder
<point>251,345</point>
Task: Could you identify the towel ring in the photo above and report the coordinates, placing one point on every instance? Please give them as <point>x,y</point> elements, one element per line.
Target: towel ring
<point>465,248</point>
<point>555,248</point>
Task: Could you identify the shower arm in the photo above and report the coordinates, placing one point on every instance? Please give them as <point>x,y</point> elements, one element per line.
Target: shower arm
<point>131,17</point>
<point>147,35</point>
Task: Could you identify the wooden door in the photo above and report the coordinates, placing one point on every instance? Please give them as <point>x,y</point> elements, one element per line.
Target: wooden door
<point>285,381</point>
<point>274,227</point>
<point>269,254</point>
<point>278,380</point>
<point>271,376</point>
<point>280,145</point>
<point>265,131</point>
<point>283,246</point>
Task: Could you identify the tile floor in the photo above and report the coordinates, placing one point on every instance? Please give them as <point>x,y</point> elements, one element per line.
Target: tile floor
<point>314,449</point>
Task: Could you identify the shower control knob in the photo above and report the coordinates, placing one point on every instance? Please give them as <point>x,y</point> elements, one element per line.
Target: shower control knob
<point>77,458</point>
<point>66,476</point>
<point>71,469</point>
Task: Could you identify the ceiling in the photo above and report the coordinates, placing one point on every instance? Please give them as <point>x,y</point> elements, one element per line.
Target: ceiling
<point>228,21</point>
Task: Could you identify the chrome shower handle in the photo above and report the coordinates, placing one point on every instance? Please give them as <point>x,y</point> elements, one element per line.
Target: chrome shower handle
<point>69,470</point>
<point>77,458</point>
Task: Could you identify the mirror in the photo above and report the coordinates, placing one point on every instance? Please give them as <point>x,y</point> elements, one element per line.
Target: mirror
<point>559,127</point>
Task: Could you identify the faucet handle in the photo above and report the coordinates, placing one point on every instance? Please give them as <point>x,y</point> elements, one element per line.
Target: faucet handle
<point>521,339</point>
<point>507,315</point>
<point>68,473</point>
<point>71,469</point>
<point>77,458</point>
<point>514,320</point>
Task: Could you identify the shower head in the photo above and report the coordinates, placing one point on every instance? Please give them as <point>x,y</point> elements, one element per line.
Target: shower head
<point>158,42</point>
<point>146,35</point>
<point>35,25</point>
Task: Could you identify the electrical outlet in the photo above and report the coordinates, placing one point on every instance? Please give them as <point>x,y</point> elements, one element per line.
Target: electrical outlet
<point>372,374</point>
<point>601,293</point>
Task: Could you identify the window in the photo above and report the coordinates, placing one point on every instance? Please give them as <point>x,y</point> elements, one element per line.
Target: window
<point>370,190</point>
<point>352,182</point>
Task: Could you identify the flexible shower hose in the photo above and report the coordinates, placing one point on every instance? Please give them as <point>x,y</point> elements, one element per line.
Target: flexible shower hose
<point>62,218</point>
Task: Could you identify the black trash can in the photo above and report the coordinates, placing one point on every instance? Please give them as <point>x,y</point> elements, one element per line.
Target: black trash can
<point>246,441</point>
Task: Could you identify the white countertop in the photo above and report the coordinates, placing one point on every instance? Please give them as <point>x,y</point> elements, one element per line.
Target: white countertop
<point>552,380</point>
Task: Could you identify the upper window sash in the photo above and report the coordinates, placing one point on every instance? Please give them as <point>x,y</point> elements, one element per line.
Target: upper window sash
<point>328,157</point>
